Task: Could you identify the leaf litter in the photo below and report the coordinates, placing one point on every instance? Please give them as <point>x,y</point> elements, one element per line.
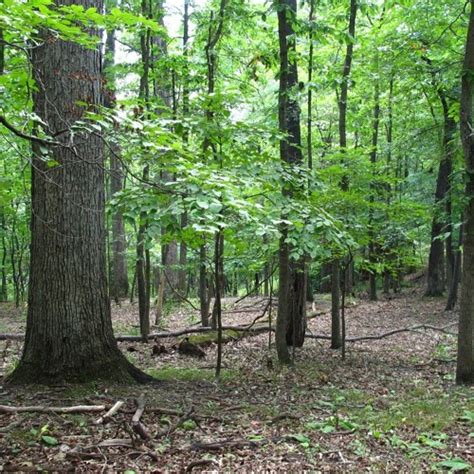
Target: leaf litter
<point>391,405</point>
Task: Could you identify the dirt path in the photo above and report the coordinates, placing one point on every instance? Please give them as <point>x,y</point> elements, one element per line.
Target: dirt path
<point>391,405</point>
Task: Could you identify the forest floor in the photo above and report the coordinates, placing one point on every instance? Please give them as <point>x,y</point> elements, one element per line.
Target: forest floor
<point>390,406</point>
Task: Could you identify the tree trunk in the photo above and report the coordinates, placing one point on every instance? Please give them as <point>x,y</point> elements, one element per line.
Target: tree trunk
<point>342,105</point>
<point>453,288</point>
<point>119,285</point>
<point>142,270</point>
<point>183,249</point>
<point>119,273</point>
<point>291,319</point>
<point>373,190</point>
<point>336,338</point>
<point>183,259</point>
<point>69,331</point>
<point>4,283</point>
<point>465,360</point>
<point>203,290</point>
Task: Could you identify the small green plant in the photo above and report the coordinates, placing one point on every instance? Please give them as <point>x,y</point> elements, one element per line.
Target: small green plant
<point>359,448</point>
<point>468,416</point>
<point>189,425</point>
<point>302,439</point>
<point>333,423</point>
<point>454,465</point>
<point>42,435</point>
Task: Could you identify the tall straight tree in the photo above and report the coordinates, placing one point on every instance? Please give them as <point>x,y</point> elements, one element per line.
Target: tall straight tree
<point>373,191</point>
<point>291,319</point>
<point>183,248</point>
<point>438,269</point>
<point>69,331</point>
<point>118,273</point>
<point>342,104</point>
<point>465,361</point>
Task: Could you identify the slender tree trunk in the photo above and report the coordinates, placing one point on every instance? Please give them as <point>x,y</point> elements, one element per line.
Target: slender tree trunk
<point>142,263</point>
<point>119,272</point>
<point>183,249</point>
<point>465,359</point>
<point>342,105</point>
<point>453,288</point>
<point>4,283</point>
<point>373,190</point>
<point>218,275</point>
<point>291,319</point>
<point>143,272</point>
<point>336,337</point>
<point>203,290</point>
<point>69,331</point>
<point>436,263</point>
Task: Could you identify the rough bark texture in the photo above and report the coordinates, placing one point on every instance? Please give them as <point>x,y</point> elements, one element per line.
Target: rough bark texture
<point>465,361</point>
<point>291,320</point>
<point>69,332</point>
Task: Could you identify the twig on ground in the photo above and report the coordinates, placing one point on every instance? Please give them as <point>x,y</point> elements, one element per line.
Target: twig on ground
<point>42,409</point>
<point>137,425</point>
<point>106,418</point>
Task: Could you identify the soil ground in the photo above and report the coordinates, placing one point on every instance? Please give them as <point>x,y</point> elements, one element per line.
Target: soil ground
<point>391,405</point>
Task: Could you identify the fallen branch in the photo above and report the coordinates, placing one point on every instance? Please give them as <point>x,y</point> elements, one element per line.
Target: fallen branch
<point>137,425</point>
<point>115,443</point>
<point>407,329</point>
<point>106,418</point>
<point>261,329</point>
<point>41,409</point>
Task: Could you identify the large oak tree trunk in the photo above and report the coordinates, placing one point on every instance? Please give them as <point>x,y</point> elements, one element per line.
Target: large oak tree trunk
<point>465,361</point>
<point>69,331</point>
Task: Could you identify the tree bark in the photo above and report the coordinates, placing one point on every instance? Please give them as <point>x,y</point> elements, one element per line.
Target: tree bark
<point>69,331</point>
<point>465,359</point>
<point>342,105</point>
<point>291,319</point>
<point>453,288</point>
<point>373,190</point>
<point>438,272</point>
<point>183,248</point>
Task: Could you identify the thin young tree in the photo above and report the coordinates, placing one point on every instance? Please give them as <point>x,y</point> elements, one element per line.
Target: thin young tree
<point>342,104</point>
